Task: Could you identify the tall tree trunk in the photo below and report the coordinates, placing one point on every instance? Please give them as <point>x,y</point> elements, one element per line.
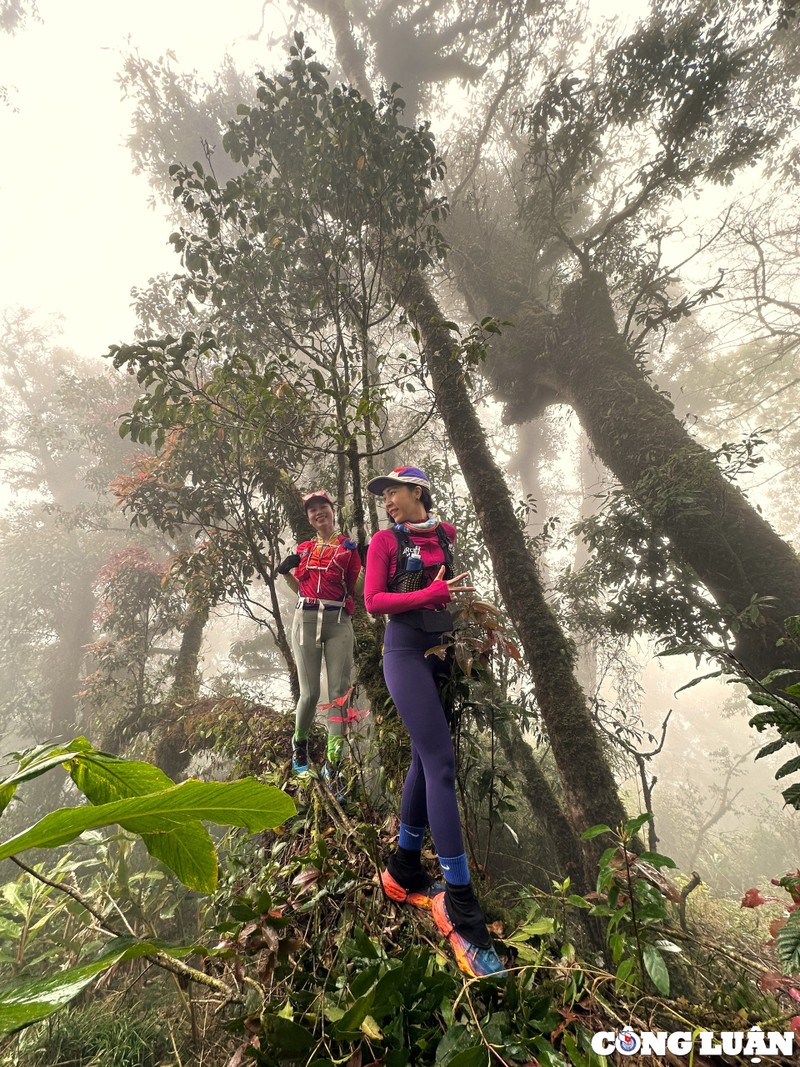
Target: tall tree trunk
<point>675,481</point>
<point>544,803</point>
<point>186,684</point>
<point>591,480</point>
<point>74,630</point>
<point>589,788</point>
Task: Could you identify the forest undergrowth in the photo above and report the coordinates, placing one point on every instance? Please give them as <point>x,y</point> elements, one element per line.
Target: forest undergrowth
<point>318,968</point>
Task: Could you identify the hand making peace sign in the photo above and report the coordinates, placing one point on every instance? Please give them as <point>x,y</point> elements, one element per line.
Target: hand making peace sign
<point>453,582</point>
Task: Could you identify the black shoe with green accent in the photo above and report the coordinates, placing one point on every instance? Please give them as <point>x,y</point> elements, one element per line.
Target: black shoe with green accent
<point>334,780</point>
<point>300,757</point>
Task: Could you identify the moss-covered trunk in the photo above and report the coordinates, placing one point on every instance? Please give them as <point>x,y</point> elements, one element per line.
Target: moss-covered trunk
<point>675,481</point>
<point>589,788</point>
<point>186,684</point>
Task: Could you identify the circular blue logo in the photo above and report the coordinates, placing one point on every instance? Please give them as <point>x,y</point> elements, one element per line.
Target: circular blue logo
<point>628,1042</point>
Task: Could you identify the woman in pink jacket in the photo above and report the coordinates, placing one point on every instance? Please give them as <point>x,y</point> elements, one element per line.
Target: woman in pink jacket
<point>410,577</point>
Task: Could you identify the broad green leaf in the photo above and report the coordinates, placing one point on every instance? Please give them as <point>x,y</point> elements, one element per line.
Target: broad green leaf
<point>285,1036</point>
<point>538,927</point>
<point>595,831</point>
<point>349,1026</point>
<point>36,761</point>
<point>188,851</point>
<point>657,969</point>
<point>773,746</point>
<point>104,779</point>
<point>655,859</point>
<point>29,1002</point>
<point>547,1055</point>
<point>245,803</point>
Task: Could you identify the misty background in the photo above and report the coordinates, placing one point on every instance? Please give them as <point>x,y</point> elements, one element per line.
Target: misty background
<point>87,219</point>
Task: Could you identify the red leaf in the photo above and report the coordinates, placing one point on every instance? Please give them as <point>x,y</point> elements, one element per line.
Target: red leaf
<point>753,898</point>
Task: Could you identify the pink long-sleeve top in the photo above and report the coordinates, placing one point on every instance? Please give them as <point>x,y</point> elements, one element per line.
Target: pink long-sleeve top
<point>381,563</point>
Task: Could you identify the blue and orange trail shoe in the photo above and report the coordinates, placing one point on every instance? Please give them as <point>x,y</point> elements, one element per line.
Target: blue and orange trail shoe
<point>300,757</point>
<point>471,959</point>
<point>417,898</point>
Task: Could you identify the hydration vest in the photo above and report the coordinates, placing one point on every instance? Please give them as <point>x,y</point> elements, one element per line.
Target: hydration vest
<point>407,578</point>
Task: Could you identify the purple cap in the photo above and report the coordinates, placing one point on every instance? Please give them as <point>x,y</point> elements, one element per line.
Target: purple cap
<point>399,476</point>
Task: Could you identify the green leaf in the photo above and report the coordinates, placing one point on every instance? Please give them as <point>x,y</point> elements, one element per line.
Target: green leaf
<point>633,826</point>
<point>456,1039</point>
<point>779,672</point>
<point>285,1036</point>
<point>595,831</point>
<point>6,795</point>
<point>538,927</point>
<point>547,1055</point>
<point>773,746</point>
<point>104,779</point>
<point>36,761</point>
<point>696,681</point>
<point>657,969</point>
<point>655,859</point>
<point>792,796</point>
<point>188,851</point>
<point>29,1002</point>
<point>348,1028</point>
<point>245,803</point>
<point>788,768</point>
<point>787,944</point>
<point>477,1056</point>
<point>577,1056</point>
<point>623,976</point>
<point>578,902</point>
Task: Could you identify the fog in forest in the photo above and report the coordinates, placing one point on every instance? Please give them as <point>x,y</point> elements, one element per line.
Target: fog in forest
<point>546,252</point>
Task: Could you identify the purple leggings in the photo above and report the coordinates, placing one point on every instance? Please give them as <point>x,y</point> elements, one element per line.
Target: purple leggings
<point>429,791</point>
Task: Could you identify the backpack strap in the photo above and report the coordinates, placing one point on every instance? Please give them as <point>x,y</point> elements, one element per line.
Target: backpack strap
<point>405,548</point>
<point>447,548</point>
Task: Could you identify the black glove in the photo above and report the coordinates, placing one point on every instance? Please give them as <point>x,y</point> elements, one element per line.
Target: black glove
<point>287,564</point>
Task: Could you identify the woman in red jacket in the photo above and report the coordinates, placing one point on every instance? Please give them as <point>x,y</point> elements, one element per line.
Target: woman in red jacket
<point>324,570</point>
<point>410,578</point>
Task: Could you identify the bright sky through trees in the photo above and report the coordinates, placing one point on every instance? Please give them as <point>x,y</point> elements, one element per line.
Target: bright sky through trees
<point>77,231</point>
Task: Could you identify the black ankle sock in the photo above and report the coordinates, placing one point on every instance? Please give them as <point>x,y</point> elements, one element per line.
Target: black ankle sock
<point>405,867</point>
<point>466,915</point>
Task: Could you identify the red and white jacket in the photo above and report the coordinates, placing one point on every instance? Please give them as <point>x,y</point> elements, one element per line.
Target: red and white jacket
<point>328,572</point>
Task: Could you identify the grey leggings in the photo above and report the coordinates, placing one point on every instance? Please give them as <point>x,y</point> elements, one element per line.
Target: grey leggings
<point>336,644</point>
